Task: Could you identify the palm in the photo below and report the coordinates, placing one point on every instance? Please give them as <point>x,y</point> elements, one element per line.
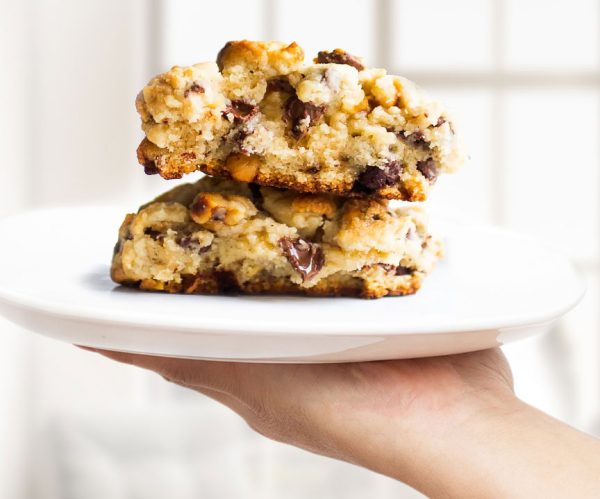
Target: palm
<point>309,404</point>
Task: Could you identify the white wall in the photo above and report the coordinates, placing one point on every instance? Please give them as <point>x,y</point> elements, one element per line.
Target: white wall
<point>69,75</point>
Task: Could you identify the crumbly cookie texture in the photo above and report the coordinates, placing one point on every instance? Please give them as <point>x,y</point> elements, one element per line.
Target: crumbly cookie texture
<point>218,236</point>
<point>261,114</point>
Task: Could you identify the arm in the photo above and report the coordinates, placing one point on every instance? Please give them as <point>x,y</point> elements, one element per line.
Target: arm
<point>448,426</point>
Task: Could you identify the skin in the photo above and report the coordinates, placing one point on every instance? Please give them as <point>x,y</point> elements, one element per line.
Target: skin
<point>448,426</point>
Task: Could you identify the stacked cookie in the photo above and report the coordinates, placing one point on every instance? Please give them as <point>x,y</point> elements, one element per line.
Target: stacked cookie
<point>302,162</point>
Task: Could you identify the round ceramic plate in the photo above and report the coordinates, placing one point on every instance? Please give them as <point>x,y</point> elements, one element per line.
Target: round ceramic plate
<point>492,287</point>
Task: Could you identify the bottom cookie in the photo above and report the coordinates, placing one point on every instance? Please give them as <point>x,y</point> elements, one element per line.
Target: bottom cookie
<point>222,237</point>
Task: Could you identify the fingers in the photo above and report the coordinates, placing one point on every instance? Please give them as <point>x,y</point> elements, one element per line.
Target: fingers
<point>212,375</point>
<point>214,379</point>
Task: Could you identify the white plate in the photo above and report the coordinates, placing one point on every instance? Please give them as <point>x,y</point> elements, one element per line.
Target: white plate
<point>492,287</point>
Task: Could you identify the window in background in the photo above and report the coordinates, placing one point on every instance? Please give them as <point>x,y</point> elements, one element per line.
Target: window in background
<point>526,100</point>
<point>523,79</point>
<point>533,140</point>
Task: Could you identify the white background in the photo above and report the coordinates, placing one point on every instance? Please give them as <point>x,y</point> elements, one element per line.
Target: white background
<point>523,80</point>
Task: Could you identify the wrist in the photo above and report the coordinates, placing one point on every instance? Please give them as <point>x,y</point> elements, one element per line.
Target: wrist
<point>507,448</point>
<point>447,446</point>
<point>430,448</point>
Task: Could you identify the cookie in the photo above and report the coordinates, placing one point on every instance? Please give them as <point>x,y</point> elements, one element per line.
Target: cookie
<point>220,236</point>
<point>261,114</point>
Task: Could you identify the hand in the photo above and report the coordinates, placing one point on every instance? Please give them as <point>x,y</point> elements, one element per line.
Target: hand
<point>448,426</point>
<point>389,416</point>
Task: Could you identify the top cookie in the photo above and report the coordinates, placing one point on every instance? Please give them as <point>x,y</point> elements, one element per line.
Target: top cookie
<point>261,114</point>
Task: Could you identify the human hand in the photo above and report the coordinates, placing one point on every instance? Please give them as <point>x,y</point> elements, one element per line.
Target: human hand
<point>396,417</point>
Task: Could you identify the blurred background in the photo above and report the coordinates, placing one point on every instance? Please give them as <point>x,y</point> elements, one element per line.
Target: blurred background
<point>523,80</point>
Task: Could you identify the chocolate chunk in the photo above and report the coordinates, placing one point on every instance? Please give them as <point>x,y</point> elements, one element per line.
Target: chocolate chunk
<point>241,110</point>
<point>150,168</point>
<point>189,242</point>
<point>306,258</point>
<point>194,88</point>
<point>184,241</point>
<point>280,84</point>
<point>416,139</point>
<point>375,178</point>
<point>376,217</point>
<point>199,206</point>
<point>226,282</point>
<point>318,235</point>
<point>313,170</point>
<point>237,136</point>
<point>338,56</point>
<point>428,168</point>
<point>154,234</point>
<point>401,270</point>
<point>301,115</point>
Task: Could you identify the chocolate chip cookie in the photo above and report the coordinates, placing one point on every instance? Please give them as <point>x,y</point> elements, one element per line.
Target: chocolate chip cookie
<point>261,114</point>
<point>220,236</point>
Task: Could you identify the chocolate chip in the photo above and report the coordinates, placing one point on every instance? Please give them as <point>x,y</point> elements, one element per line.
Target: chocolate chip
<point>154,234</point>
<point>416,139</point>
<point>199,206</point>
<point>376,217</point>
<point>117,247</point>
<point>238,136</point>
<point>339,57</point>
<point>301,115</point>
<point>194,88</point>
<point>150,168</point>
<point>184,241</point>
<point>387,267</point>
<point>428,168</point>
<point>189,242</point>
<point>375,178</point>
<point>306,258</point>
<point>318,235</point>
<point>280,84</point>
<point>226,282</point>
<point>241,110</point>
<point>401,270</point>
<point>313,170</point>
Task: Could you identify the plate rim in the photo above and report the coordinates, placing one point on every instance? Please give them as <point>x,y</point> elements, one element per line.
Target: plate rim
<point>253,327</point>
